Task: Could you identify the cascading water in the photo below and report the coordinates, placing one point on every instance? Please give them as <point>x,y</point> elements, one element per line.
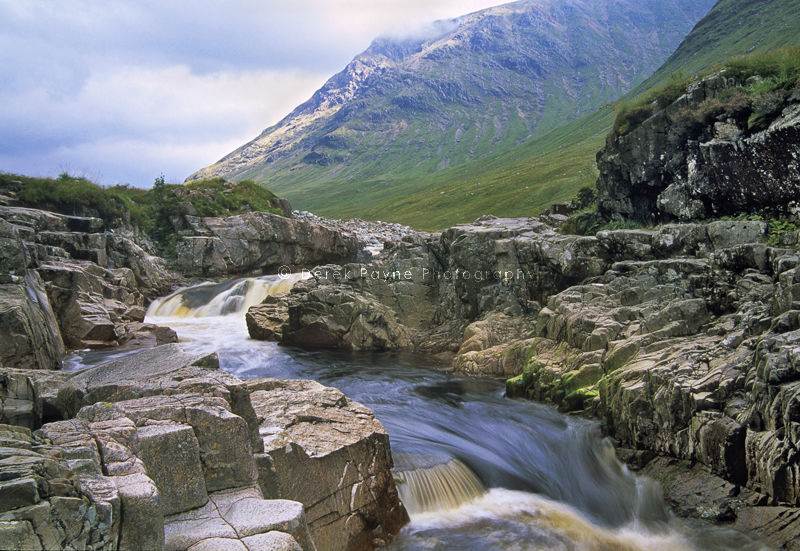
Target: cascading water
<point>220,299</point>
<point>474,469</point>
<point>432,484</point>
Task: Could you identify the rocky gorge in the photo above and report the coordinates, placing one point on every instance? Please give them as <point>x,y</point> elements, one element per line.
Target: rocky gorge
<point>681,338</point>
<point>162,449</point>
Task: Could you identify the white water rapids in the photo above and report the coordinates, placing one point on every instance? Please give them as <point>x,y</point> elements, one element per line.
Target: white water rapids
<point>475,470</point>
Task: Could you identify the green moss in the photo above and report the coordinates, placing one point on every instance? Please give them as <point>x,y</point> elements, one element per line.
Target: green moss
<point>571,390</point>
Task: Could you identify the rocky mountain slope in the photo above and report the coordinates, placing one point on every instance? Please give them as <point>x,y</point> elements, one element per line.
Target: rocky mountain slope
<point>476,85</point>
<point>526,179</point>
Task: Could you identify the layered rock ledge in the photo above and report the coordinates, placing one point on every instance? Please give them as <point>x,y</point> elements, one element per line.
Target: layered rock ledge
<point>162,449</point>
<point>682,339</point>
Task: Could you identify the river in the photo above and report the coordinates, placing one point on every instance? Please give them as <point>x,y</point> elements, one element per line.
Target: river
<point>478,470</point>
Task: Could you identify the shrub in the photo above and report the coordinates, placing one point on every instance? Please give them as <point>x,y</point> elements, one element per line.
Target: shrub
<point>778,227</point>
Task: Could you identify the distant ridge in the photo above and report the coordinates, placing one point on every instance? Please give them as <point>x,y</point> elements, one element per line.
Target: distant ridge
<point>524,180</point>
<point>478,85</point>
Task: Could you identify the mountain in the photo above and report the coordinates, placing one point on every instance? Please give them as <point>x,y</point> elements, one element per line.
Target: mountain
<point>553,167</point>
<point>471,87</point>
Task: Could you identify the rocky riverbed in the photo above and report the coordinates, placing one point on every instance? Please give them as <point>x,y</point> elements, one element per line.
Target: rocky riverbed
<point>682,339</point>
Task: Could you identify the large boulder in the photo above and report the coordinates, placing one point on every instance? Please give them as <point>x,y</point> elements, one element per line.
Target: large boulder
<point>31,337</point>
<point>258,243</point>
<point>332,455</point>
<point>163,370</point>
<point>339,317</point>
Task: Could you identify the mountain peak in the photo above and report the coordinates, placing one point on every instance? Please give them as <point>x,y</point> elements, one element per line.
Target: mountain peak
<point>460,89</point>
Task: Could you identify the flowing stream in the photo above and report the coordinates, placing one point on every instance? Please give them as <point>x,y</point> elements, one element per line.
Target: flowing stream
<point>476,470</point>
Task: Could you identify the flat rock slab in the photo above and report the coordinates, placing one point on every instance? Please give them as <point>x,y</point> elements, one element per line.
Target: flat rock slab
<point>239,520</point>
<point>148,364</point>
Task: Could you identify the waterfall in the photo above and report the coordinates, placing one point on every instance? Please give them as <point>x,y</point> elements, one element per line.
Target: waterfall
<point>221,299</point>
<point>430,484</point>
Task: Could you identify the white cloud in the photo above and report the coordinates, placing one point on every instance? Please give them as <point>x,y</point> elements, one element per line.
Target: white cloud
<point>126,90</point>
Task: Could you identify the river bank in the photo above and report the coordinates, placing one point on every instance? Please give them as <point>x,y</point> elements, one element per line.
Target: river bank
<point>679,339</point>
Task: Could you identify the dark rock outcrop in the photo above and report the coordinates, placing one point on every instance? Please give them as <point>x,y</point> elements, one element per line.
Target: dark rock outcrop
<point>671,167</point>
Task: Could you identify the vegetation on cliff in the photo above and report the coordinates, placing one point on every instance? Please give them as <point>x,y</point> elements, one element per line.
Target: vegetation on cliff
<point>763,82</point>
<point>146,210</point>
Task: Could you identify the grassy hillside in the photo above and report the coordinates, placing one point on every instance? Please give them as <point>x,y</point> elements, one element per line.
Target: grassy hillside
<point>732,28</point>
<point>519,182</point>
<point>488,82</point>
<point>525,180</point>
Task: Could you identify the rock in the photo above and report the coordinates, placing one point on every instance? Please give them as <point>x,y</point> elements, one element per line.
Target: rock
<point>90,302</point>
<point>127,377</point>
<point>779,526</point>
<point>45,503</point>
<point>332,455</point>
<point>495,329</point>
<point>18,493</point>
<point>153,278</point>
<point>146,335</point>
<point>265,321</point>
<point>168,370</point>
<point>694,492</point>
<point>94,281</point>
<point>19,535</point>
<point>237,520</point>
<point>338,317</point>
<point>258,242</point>
<point>31,337</point>
<point>271,541</point>
<point>718,168</point>
<point>143,514</point>
<point>171,457</point>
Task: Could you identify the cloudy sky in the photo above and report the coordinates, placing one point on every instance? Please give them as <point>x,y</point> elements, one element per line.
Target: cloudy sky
<point>121,92</point>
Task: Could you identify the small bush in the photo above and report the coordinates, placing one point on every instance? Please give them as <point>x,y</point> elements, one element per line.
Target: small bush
<point>585,197</point>
<point>778,227</point>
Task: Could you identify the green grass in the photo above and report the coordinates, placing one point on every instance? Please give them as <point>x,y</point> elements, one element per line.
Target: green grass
<point>777,73</point>
<point>218,197</point>
<point>518,182</point>
<point>732,28</point>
